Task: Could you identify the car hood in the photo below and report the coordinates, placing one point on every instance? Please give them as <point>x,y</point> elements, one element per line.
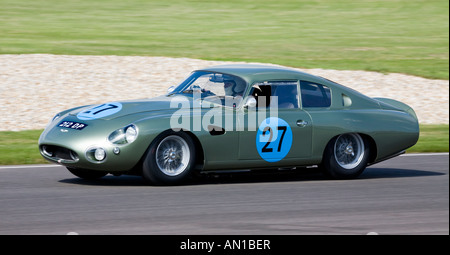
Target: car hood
<point>113,110</point>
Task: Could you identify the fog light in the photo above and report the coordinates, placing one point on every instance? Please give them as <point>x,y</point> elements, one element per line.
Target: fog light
<point>99,154</point>
<point>116,150</point>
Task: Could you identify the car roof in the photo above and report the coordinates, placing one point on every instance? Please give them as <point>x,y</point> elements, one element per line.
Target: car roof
<point>252,73</point>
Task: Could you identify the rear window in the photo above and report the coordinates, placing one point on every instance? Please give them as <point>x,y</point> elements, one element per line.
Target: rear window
<point>315,95</point>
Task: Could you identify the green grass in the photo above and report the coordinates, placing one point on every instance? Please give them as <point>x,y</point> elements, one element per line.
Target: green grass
<point>405,36</point>
<point>433,138</point>
<point>18,148</point>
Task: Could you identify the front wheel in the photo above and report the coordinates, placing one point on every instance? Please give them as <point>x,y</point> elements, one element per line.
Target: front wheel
<point>170,159</point>
<point>346,156</point>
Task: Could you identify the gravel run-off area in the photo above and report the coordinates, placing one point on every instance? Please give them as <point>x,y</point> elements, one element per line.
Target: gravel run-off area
<point>34,87</point>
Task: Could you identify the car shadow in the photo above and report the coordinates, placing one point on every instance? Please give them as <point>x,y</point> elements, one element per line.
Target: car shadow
<point>309,175</point>
<point>109,180</point>
<point>376,173</point>
<point>302,175</point>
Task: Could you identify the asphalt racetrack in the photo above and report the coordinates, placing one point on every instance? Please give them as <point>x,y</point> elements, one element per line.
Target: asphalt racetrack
<point>404,195</point>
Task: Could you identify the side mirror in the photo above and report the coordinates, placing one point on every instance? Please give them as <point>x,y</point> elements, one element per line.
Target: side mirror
<point>170,89</point>
<point>250,102</point>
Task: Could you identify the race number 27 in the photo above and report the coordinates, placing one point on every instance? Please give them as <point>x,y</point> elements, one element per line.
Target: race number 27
<point>273,139</point>
<point>269,130</point>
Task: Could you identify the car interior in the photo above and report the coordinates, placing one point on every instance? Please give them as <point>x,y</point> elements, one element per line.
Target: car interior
<point>286,94</point>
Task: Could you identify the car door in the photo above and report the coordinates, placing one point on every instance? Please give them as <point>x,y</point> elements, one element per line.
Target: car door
<point>277,128</point>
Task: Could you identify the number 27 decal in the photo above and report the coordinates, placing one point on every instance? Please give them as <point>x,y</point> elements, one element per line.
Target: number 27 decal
<point>268,129</point>
<point>273,139</point>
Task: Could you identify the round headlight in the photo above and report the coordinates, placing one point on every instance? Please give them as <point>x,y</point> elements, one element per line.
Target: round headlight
<point>99,154</point>
<point>131,133</point>
<point>124,135</point>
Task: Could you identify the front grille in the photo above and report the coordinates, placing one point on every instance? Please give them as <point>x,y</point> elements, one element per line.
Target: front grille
<point>59,153</point>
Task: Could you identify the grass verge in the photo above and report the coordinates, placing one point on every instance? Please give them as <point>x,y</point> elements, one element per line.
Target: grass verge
<point>17,148</point>
<point>402,36</point>
<point>433,138</point>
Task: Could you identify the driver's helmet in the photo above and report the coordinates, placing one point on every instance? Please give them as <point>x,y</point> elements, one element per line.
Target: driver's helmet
<point>232,88</point>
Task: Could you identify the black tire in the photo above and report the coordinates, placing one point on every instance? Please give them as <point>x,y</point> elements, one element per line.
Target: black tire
<point>345,156</point>
<point>170,159</point>
<point>86,174</point>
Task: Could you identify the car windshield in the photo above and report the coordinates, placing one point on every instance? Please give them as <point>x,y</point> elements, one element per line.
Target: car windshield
<point>218,88</point>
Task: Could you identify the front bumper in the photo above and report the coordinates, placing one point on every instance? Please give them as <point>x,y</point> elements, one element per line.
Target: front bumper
<point>76,148</point>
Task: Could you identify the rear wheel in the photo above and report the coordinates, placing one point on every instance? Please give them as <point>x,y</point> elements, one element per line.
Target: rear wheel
<point>86,174</point>
<point>346,156</point>
<point>170,159</point>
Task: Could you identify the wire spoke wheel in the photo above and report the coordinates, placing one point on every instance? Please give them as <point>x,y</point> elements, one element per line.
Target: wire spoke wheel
<point>349,150</point>
<point>172,155</point>
<point>170,159</point>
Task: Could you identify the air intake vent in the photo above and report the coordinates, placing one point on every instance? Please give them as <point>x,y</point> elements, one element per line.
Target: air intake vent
<point>58,153</point>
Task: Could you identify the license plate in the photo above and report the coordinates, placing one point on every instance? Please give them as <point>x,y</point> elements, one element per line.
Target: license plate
<point>72,125</point>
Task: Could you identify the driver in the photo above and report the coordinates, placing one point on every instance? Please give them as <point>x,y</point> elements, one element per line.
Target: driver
<point>233,89</point>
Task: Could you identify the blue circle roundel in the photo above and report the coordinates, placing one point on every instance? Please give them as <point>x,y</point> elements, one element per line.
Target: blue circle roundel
<point>273,139</point>
<point>100,111</point>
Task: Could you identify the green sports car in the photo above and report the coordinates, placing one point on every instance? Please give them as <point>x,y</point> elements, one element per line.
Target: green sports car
<point>232,117</point>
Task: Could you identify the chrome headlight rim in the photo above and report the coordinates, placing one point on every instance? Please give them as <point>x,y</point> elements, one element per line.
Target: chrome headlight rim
<point>91,154</point>
<point>125,135</point>
<point>131,133</point>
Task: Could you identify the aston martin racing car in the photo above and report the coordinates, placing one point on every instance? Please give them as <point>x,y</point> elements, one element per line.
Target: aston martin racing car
<point>232,117</point>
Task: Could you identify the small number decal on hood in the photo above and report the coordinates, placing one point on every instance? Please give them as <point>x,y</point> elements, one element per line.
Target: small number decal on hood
<point>100,111</point>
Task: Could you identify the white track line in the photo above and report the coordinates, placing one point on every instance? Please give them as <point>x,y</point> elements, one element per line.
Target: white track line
<point>53,165</point>
<point>425,154</point>
<point>28,166</point>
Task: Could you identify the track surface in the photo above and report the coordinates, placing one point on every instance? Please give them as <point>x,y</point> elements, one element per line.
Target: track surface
<point>404,195</point>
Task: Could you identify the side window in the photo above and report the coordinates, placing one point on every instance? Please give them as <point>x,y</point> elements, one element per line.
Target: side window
<point>315,95</point>
<point>283,92</point>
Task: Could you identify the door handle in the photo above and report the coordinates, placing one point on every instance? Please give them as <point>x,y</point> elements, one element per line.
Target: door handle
<point>302,123</point>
